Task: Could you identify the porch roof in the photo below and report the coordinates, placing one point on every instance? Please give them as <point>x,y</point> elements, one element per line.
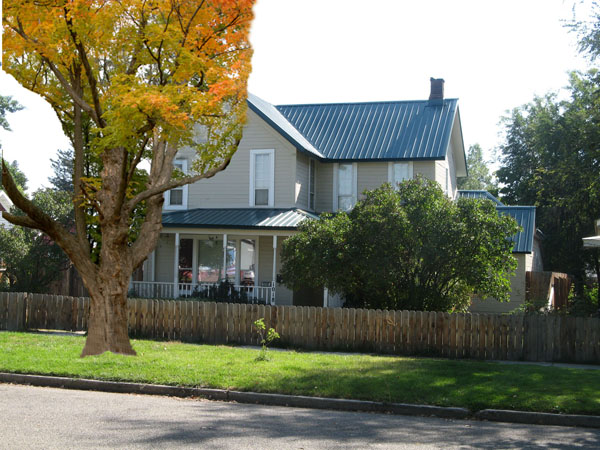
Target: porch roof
<point>244,218</point>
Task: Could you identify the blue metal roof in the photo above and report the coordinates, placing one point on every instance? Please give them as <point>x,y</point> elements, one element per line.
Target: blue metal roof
<point>525,217</point>
<point>239,218</point>
<point>479,194</point>
<point>403,130</point>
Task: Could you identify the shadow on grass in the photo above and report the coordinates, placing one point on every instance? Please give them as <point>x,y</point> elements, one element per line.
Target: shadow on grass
<point>469,384</point>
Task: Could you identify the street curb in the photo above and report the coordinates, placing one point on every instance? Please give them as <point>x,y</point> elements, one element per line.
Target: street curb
<point>299,401</point>
<point>536,418</point>
<point>235,396</point>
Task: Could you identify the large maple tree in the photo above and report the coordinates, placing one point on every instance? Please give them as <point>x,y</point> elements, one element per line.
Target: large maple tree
<point>131,81</point>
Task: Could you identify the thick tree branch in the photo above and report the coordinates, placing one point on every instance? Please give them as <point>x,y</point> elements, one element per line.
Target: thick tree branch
<point>149,232</point>
<point>38,219</point>
<point>22,221</point>
<point>78,150</point>
<point>159,189</point>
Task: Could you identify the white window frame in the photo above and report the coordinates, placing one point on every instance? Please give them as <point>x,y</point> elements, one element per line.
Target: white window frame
<point>184,189</point>
<point>392,172</point>
<point>336,167</point>
<point>271,200</point>
<point>312,167</point>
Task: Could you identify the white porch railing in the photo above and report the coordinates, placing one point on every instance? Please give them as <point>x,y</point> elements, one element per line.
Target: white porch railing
<point>209,291</point>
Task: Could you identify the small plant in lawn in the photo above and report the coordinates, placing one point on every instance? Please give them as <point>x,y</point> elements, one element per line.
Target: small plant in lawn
<point>266,337</point>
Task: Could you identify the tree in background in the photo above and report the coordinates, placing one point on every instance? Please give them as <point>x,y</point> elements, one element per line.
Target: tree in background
<point>145,75</point>
<point>479,177</point>
<point>551,159</point>
<point>62,166</point>
<point>31,259</point>
<point>7,105</point>
<point>411,248</point>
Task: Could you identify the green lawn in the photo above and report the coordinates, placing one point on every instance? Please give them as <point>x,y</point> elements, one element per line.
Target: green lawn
<point>470,384</point>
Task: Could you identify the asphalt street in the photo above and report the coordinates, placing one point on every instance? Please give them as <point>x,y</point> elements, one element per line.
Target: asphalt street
<point>34,417</point>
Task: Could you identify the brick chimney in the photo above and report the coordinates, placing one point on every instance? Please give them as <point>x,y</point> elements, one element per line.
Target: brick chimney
<point>437,90</point>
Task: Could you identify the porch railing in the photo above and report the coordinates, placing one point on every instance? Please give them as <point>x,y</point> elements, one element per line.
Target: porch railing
<point>158,289</point>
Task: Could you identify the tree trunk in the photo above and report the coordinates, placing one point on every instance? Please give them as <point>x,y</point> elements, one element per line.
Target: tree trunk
<point>107,324</point>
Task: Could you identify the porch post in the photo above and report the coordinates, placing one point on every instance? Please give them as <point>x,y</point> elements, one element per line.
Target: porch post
<point>225,256</point>
<point>176,268</point>
<point>153,265</point>
<point>274,269</point>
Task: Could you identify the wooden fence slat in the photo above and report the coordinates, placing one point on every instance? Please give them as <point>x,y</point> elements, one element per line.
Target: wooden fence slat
<point>579,339</point>
<point>467,336</point>
<point>453,333</point>
<point>11,312</point>
<point>3,311</point>
<point>300,326</point>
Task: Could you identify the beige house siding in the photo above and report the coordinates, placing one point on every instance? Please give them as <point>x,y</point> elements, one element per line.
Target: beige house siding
<point>324,191</point>
<point>301,188</point>
<point>231,187</point>
<point>517,295</point>
<point>424,168</point>
<point>371,175</point>
<point>440,172</point>
<point>452,182</point>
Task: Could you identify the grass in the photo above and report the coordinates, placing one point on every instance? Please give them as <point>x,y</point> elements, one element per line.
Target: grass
<point>471,384</point>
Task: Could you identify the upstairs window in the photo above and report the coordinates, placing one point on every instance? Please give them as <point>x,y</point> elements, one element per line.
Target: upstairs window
<point>312,167</point>
<point>262,177</point>
<point>345,186</point>
<point>398,172</point>
<point>177,198</point>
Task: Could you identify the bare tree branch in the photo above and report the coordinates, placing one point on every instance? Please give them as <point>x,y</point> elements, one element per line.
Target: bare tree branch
<point>88,69</point>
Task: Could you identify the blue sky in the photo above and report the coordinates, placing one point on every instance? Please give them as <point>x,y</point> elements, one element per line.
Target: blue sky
<point>494,56</point>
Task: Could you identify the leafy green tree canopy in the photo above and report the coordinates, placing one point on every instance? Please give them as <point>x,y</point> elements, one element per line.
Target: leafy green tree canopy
<point>551,159</point>
<point>7,105</point>
<point>411,248</point>
<point>479,177</point>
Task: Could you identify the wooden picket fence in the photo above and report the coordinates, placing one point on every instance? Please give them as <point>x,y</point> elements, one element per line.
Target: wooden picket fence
<point>529,337</point>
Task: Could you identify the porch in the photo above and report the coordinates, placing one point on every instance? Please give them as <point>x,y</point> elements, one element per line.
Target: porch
<point>235,266</point>
<point>229,252</point>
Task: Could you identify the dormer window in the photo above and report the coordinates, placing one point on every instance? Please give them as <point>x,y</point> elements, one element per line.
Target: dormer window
<point>262,177</point>
<point>177,198</point>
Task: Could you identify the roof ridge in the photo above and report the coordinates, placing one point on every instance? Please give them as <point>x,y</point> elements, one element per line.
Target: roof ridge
<point>377,102</point>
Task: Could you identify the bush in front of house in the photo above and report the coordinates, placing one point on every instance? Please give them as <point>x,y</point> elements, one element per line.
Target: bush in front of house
<point>406,248</point>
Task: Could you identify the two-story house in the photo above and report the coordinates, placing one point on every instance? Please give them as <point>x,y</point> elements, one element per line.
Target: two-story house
<point>294,162</point>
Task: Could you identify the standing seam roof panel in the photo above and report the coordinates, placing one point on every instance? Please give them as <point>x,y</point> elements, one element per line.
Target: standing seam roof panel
<point>371,131</point>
